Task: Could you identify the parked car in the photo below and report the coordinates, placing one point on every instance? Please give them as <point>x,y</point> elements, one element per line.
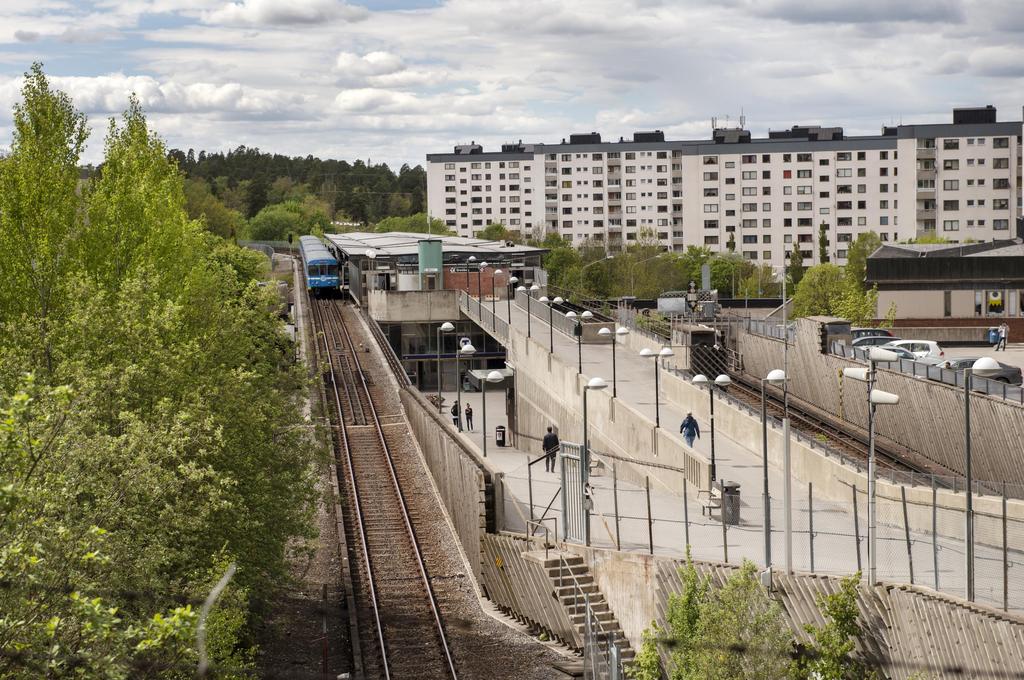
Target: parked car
<point>921,348</point>
<point>873,340</point>
<point>858,333</point>
<point>900,352</point>
<point>1007,374</point>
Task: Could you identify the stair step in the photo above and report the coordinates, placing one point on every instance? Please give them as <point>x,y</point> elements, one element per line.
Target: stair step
<point>581,607</point>
<point>600,616</point>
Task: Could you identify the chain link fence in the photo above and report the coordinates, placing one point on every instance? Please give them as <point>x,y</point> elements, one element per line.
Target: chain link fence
<point>634,512</point>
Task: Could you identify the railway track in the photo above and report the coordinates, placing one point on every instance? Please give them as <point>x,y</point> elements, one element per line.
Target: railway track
<point>853,446</point>
<point>402,634</point>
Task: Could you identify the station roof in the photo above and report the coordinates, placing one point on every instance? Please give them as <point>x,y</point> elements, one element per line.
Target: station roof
<point>945,266</point>
<point>402,243</point>
<point>1014,248</point>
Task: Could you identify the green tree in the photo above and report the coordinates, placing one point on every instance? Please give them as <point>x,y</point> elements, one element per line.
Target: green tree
<point>857,257</point>
<point>829,657</point>
<point>795,267</point>
<point>39,206</point>
<point>413,223</point>
<point>154,449</point>
<point>731,243</point>
<point>496,232</point>
<point>741,634</point>
<point>136,211</point>
<point>201,205</point>
<point>823,243</point>
<point>736,631</point>
<point>819,291</point>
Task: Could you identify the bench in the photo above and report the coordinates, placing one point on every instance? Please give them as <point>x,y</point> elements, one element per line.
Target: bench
<point>709,499</point>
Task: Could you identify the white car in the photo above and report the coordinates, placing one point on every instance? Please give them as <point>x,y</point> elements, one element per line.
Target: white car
<point>922,349</point>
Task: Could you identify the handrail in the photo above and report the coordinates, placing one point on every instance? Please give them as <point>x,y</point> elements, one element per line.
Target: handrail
<point>540,524</point>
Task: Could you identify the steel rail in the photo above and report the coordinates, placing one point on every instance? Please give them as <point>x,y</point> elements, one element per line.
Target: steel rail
<point>355,496</point>
<point>405,509</point>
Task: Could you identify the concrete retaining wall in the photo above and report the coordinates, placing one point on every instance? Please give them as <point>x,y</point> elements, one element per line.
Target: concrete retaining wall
<point>928,419</point>
<point>390,306</point>
<point>466,484</point>
<point>905,631</point>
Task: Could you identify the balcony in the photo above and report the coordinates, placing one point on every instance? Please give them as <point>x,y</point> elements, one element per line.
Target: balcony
<point>925,214</point>
<point>927,174</point>
<point>926,194</point>
<point>925,153</point>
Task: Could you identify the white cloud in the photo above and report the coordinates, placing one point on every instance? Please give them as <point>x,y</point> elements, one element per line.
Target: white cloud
<point>372,64</point>
<point>283,12</point>
<point>397,84</point>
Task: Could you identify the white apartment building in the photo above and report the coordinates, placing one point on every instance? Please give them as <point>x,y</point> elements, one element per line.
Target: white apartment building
<point>961,181</point>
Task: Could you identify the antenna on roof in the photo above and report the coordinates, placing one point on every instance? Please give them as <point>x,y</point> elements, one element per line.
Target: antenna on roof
<point>743,119</point>
<point>714,123</point>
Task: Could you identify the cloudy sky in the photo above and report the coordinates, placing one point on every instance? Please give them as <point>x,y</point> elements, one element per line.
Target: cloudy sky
<point>392,80</point>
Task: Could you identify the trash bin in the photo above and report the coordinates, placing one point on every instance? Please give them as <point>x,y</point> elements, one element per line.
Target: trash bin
<point>993,335</point>
<point>730,502</point>
<point>499,435</point>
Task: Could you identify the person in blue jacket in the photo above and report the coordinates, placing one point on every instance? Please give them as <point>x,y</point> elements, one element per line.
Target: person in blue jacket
<point>690,429</point>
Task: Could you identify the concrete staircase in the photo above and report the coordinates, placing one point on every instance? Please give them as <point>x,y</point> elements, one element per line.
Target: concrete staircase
<point>572,581</point>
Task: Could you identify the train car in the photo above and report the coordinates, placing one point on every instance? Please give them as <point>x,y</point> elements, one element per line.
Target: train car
<point>320,267</point>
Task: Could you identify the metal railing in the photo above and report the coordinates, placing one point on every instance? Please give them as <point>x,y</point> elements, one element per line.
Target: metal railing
<point>936,373</point>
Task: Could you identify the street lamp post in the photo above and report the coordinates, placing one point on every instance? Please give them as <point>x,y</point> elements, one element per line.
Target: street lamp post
<point>982,367</point>
<point>446,327</point>
<point>480,290</point>
<point>492,377</point>
<point>775,377</point>
<point>869,375</point>
<point>494,297</point>
<point>529,309</point>
<point>607,332</point>
<point>551,320</point>
<point>512,281</point>
<point>593,384</point>
<point>663,354</point>
<point>578,332</point>
<point>722,381</point>
<point>467,351</point>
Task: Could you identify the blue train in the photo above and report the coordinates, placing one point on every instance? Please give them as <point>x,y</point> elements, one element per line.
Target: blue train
<point>320,267</point>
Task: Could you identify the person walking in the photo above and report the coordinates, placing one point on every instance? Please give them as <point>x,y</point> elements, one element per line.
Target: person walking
<point>456,416</point>
<point>690,429</point>
<point>469,417</point>
<point>550,446</point>
<point>1004,333</point>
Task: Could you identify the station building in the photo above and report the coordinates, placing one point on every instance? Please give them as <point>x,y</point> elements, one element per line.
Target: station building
<point>973,284</point>
<point>411,282</point>
<point>757,196</point>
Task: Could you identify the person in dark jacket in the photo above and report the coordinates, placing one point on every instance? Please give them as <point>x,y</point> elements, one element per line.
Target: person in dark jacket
<point>550,446</point>
<point>469,417</point>
<point>457,416</point>
<point>690,429</point>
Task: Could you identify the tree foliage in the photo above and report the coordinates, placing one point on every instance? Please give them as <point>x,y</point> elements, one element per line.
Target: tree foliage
<point>857,256</point>
<point>149,426</point>
<point>248,180</point>
<point>735,631</point>
<point>830,656</point>
<point>795,267</point>
<point>413,223</point>
<point>819,291</point>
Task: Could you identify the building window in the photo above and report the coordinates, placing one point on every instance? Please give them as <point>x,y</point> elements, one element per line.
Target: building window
<point>951,225</point>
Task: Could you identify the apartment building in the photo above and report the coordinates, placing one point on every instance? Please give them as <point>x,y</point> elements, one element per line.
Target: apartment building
<point>756,196</point>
